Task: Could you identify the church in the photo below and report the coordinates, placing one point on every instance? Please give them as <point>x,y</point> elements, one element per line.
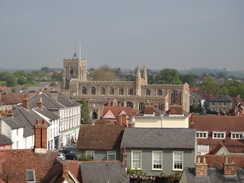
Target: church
<point>135,94</point>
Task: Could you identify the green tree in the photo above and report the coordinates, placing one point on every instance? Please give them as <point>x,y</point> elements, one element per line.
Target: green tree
<point>85,117</point>
<point>188,78</point>
<point>11,80</point>
<point>104,73</point>
<point>210,86</point>
<point>168,76</point>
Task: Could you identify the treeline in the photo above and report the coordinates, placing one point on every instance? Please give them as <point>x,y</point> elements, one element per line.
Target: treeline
<point>21,77</point>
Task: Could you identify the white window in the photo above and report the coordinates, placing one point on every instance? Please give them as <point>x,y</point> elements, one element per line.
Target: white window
<point>136,160</point>
<point>109,115</point>
<point>237,135</point>
<point>111,155</point>
<point>91,154</point>
<point>218,135</point>
<point>202,134</point>
<point>177,160</point>
<point>157,160</point>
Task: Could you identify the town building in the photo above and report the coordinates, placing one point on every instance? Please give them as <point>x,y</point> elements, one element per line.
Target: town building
<point>135,94</point>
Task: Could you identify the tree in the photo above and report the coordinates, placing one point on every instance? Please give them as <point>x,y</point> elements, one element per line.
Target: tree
<point>210,86</point>
<point>188,78</point>
<point>85,117</point>
<point>104,73</point>
<point>168,76</point>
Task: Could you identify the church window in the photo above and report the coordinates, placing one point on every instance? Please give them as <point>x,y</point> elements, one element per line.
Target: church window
<point>141,106</point>
<point>102,91</point>
<point>148,92</point>
<point>71,71</point>
<point>130,91</point>
<point>160,92</point>
<point>84,90</point>
<point>160,106</point>
<point>121,91</point>
<point>120,104</point>
<point>93,90</point>
<point>130,104</point>
<point>174,97</point>
<point>111,91</point>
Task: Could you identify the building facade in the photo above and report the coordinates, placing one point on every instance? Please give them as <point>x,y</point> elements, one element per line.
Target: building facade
<point>135,94</point>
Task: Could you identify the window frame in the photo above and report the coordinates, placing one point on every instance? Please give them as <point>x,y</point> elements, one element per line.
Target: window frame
<point>111,153</point>
<point>237,134</point>
<point>161,160</point>
<point>219,133</point>
<point>202,132</point>
<point>91,153</point>
<point>174,161</point>
<point>133,159</point>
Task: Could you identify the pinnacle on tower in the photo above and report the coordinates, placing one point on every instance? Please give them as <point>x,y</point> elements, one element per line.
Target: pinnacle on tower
<point>138,72</point>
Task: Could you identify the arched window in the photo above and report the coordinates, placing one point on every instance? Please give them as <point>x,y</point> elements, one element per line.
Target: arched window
<point>111,91</point>
<point>120,104</point>
<point>160,106</point>
<point>102,91</point>
<point>121,91</point>
<point>94,115</point>
<point>174,97</point>
<point>130,91</point>
<point>71,71</point>
<point>148,92</point>
<point>130,104</point>
<point>84,90</point>
<point>160,92</point>
<point>93,90</point>
<point>141,106</point>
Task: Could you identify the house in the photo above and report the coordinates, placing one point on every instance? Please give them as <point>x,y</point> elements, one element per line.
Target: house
<point>212,130</point>
<point>196,100</point>
<point>152,117</point>
<point>10,101</point>
<point>221,104</point>
<point>117,114</point>
<point>100,142</point>
<point>68,111</point>
<point>156,151</point>
<point>202,173</point>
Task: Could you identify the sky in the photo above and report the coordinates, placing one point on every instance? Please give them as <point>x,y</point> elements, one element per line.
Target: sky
<point>178,34</point>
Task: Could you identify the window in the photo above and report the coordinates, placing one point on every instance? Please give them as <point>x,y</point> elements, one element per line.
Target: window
<point>71,70</point>
<point>93,90</point>
<point>202,134</point>
<point>212,103</point>
<point>130,104</point>
<point>218,135</point>
<point>90,154</point>
<point>130,91</point>
<point>224,103</point>
<point>102,91</point>
<point>30,175</point>
<point>160,92</point>
<point>136,160</point>
<point>174,97</point>
<point>111,155</point>
<point>141,106</point>
<point>157,160</point>
<point>148,92</point>
<point>121,91</point>
<point>111,91</point>
<point>237,135</point>
<point>84,91</point>
<point>177,160</point>
<point>160,106</point>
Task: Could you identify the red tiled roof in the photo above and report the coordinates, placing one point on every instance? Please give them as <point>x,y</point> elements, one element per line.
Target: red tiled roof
<point>116,110</point>
<point>100,137</point>
<point>192,90</point>
<point>13,164</point>
<point>11,99</point>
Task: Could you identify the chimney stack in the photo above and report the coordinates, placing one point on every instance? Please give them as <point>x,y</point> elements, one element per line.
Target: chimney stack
<point>201,168</point>
<point>40,136</point>
<point>192,119</point>
<point>229,168</point>
<point>54,95</point>
<point>26,102</point>
<point>39,103</point>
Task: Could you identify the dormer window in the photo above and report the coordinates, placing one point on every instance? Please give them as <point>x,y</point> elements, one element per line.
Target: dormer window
<point>202,134</point>
<point>218,135</point>
<point>237,135</point>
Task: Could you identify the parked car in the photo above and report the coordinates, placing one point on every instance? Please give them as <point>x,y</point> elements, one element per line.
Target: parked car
<point>71,156</point>
<point>69,149</point>
<point>61,156</point>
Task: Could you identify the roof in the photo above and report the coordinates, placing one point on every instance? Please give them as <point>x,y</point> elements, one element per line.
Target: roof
<point>13,167</point>
<point>46,113</point>
<point>103,171</point>
<point>13,123</point>
<point>221,99</point>
<point>197,95</point>
<point>150,110</point>
<point>11,99</point>
<point>214,175</point>
<point>4,140</point>
<point>194,90</point>
<point>159,138</point>
<point>116,110</point>
<point>100,137</point>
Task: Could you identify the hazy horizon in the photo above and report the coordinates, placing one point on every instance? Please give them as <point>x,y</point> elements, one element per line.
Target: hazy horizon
<point>158,34</point>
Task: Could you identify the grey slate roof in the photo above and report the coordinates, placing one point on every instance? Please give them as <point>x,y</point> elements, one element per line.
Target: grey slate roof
<point>46,113</point>
<point>214,175</point>
<point>13,123</point>
<point>221,99</point>
<point>67,102</point>
<point>103,172</point>
<point>198,95</point>
<point>183,138</point>
<point>4,140</point>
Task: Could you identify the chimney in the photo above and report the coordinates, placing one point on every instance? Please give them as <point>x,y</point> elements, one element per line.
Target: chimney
<point>39,103</point>
<point>119,118</point>
<point>201,168</point>
<point>176,109</point>
<point>65,171</point>
<point>229,168</point>
<point>124,119</point>
<point>192,119</point>
<point>40,136</point>
<point>54,95</point>
<point>26,102</point>
<point>32,93</point>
